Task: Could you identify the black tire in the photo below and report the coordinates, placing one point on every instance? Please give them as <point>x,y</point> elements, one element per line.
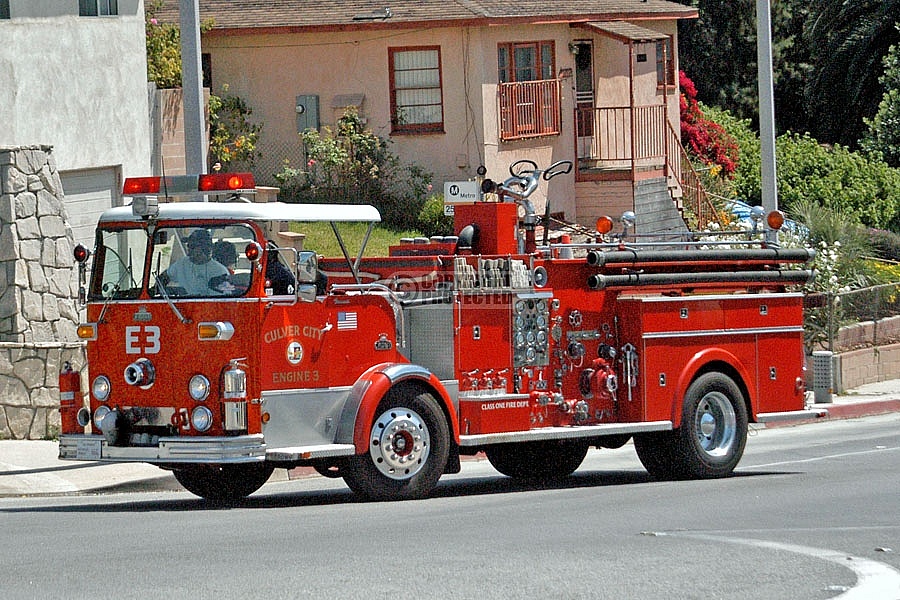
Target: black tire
<point>331,471</point>
<point>538,460</point>
<point>409,444</point>
<point>710,442</point>
<point>224,483</point>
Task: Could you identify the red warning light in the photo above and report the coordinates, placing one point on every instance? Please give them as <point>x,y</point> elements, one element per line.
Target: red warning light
<point>223,182</point>
<point>253,251</point>
<point>604,225</point>
<point>141,185</point>
<point>81,253</point>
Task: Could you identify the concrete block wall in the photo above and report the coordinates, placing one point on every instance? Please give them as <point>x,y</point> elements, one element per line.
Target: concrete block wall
<point>867,365</point>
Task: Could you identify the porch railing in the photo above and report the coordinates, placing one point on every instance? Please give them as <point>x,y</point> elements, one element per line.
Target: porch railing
<point>638,139</point>
<point>694,196</point>
<point>621,137</point>
<point>529,109</point>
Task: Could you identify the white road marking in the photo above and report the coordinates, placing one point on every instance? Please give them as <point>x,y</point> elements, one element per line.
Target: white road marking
<point>818,458</point>
<point>874,580</point>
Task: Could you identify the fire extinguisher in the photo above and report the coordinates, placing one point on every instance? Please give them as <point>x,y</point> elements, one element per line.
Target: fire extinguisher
<point>69,399</point>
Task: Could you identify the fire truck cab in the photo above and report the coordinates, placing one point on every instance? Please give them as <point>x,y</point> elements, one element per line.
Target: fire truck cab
<point>221,351</point>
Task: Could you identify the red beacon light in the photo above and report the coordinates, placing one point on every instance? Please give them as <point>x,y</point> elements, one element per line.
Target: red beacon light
<point>226,182</point>
<point>253,251</point>
<point>180,185</point>
<point>604,225</point>
<point>775,220</point>
<point>81,253</point>
<point>141,185</point>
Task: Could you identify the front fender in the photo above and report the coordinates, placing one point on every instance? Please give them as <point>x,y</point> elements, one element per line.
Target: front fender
<point>696,364</point>
<point>368,391</point>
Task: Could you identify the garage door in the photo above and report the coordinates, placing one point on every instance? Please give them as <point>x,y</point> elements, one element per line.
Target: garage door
<point>88,193</point>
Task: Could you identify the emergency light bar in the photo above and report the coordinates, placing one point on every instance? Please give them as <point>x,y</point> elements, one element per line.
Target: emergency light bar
<point>180,185</point>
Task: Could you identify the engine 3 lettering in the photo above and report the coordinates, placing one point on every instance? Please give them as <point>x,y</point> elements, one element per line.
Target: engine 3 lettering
<point>295,376</point>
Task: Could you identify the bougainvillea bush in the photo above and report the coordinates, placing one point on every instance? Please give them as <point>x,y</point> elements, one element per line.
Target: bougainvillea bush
<point>703,137</point>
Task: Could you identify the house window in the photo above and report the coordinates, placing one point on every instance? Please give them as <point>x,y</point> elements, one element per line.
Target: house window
<point>417,104</point>
<point>97,8</point>
<point>665,64</point>
<point>529,93</point>
<point>4,9</point>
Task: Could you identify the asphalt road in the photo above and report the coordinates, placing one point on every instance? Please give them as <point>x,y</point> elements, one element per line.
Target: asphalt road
<point>812,512</point>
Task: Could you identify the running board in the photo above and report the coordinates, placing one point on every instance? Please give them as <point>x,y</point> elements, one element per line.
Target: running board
<point>794,415</point>
<point>563,433</point>
<point>309,452</point>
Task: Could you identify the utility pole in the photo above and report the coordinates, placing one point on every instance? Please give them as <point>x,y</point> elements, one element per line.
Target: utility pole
<point>192,88</point>
<point>766,106</point>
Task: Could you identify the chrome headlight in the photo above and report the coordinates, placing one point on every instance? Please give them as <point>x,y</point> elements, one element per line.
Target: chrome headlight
<point>199,388</point>
<point>201,418</point>
<point>101,387</point>
<point>101,412</point>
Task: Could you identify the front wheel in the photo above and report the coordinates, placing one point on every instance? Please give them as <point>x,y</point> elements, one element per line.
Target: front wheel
<point>224,483</point>
<point>409,444</point>
<point>712,436</point>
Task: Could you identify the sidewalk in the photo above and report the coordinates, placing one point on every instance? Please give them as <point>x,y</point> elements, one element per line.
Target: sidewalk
<point>31,468</point>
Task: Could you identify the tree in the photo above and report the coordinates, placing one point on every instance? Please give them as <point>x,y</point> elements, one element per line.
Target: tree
<point>233,137</point>
<point>883,135</point>
<point>163,49</point>
<point>848,43</point>
<point>719,51</point>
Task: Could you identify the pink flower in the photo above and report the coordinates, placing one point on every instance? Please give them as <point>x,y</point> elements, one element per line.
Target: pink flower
<point>430,187</point>
<point>311,163</point>
<point>154,22</point>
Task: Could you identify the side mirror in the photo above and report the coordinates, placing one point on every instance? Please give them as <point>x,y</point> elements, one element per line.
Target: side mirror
<point>306,292</point>
<point>307,267</point>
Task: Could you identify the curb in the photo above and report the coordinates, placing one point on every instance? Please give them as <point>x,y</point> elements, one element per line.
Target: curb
<point>839,411</point>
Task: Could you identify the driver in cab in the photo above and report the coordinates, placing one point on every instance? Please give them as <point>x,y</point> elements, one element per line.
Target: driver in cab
<point>196,272</point>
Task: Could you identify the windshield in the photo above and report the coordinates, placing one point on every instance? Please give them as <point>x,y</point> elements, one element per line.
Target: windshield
<point>200,262</point>
<point>119,264</point>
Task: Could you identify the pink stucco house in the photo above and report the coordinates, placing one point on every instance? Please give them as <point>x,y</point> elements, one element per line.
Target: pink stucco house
<point>460,83</point>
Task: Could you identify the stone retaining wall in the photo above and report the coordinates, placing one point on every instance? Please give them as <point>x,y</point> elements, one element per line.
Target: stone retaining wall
<point>38,291</point>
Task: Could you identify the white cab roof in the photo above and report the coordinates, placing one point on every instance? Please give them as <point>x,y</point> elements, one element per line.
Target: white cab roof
<point>252,211</point>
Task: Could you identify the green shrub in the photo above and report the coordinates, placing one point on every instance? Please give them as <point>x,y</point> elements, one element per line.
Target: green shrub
<point>432,220</point>
<point>886,244</point>
<point>350,164</point>
<point>860,186</point>
<point>233,137</point>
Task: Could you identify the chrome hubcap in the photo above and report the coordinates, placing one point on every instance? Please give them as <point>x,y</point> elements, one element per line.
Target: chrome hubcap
<point>716,424</point>
<point>399,443</point>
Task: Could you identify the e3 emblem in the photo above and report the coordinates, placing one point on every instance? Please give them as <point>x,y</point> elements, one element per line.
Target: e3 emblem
<point>142,339</point>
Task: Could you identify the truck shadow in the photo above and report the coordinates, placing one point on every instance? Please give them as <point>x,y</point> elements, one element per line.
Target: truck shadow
<point>453,487</point>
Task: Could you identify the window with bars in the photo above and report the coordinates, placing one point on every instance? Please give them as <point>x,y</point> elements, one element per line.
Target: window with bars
<point>98,8</point>
<point>417,104</point>
<point>529,92</point>
<point>665,65</point>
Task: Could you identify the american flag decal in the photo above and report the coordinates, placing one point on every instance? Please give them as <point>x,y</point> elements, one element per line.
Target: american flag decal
<point>346,321</point>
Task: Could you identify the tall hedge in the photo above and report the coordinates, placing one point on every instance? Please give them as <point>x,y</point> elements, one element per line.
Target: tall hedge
<point>855,183</point>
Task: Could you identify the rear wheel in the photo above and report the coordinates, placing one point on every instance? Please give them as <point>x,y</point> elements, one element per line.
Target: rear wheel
<point>224,483</point>
<point>538,460</point>
<point>409,444</point>
<point>712,436</point>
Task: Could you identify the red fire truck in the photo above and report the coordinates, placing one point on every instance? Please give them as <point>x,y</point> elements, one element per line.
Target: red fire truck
<point>220,349</point>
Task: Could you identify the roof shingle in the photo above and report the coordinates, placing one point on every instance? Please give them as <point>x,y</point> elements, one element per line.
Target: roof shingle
<point>360,14</point>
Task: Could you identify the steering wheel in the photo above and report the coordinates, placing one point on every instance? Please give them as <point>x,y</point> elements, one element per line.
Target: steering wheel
<point>516,169</point>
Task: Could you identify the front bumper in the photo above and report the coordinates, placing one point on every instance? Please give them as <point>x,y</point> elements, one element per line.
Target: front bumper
<point>212,450</point>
